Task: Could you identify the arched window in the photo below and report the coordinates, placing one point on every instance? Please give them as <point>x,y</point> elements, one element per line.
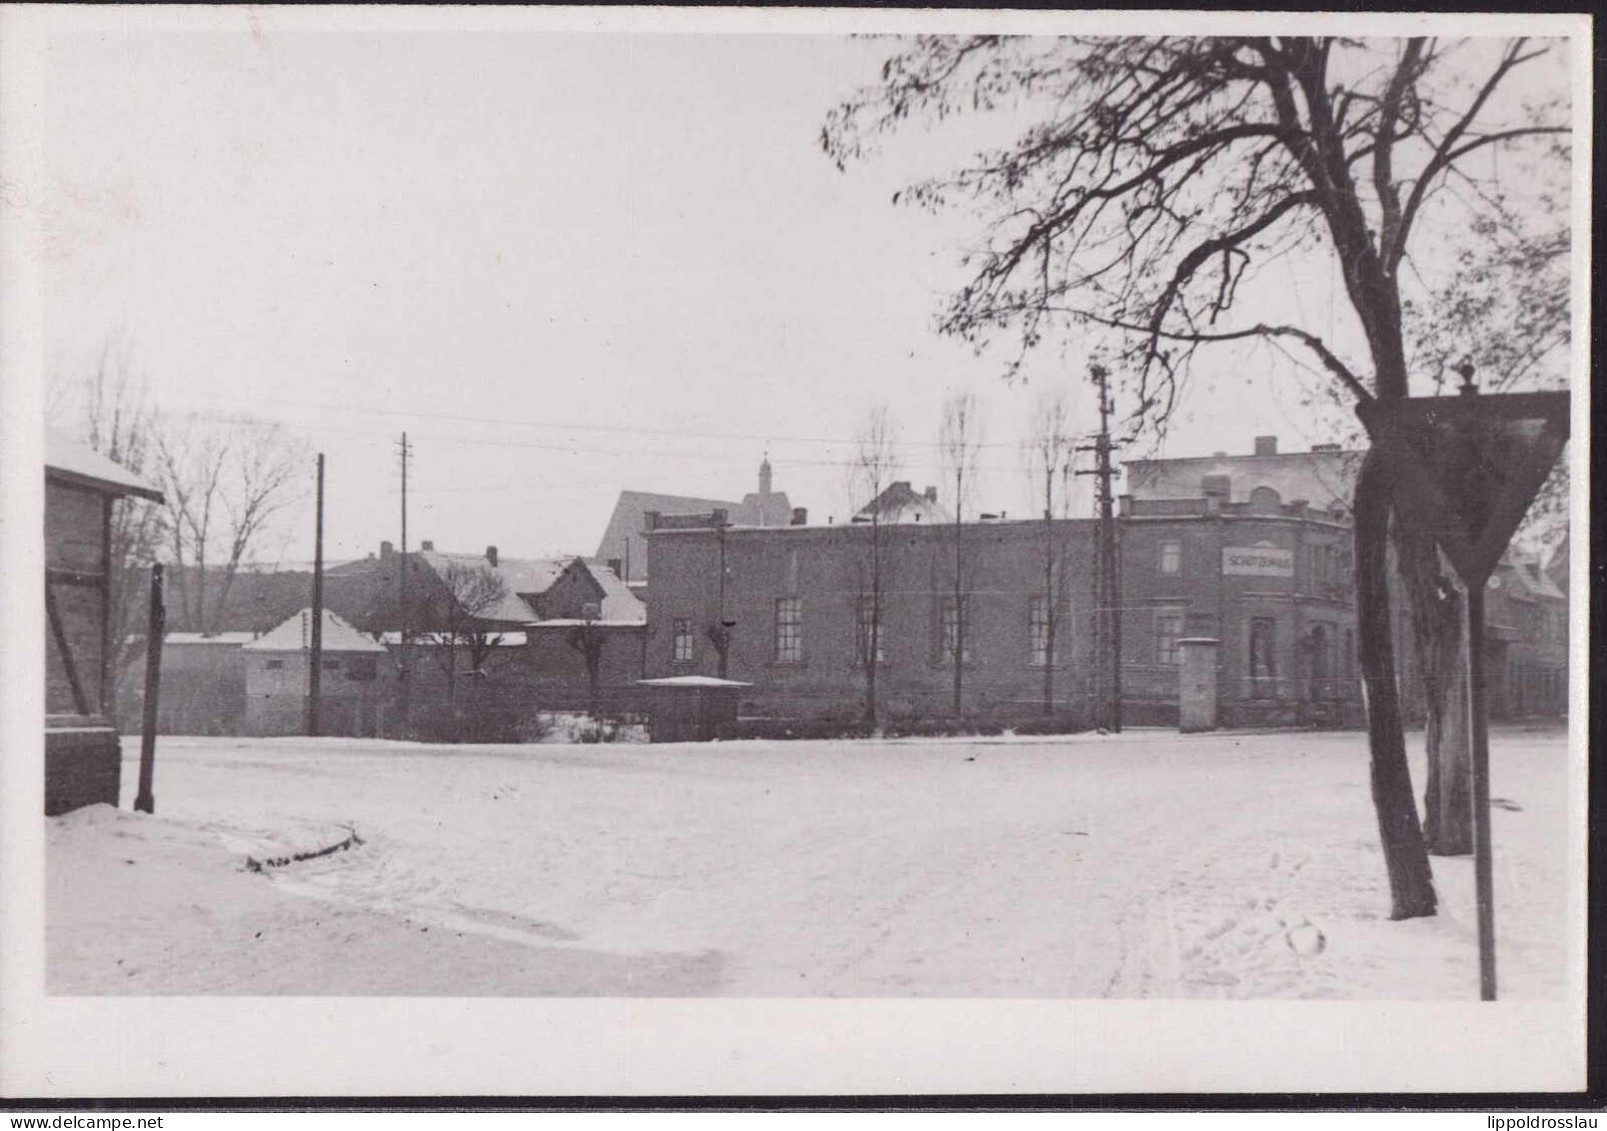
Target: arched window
<point>1265,500</point>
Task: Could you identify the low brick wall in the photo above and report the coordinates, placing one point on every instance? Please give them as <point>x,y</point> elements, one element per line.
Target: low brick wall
<point>82,767</point>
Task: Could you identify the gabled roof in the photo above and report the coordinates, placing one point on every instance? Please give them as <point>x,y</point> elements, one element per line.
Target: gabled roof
<point>902,503</point>
<point>619,602</point>
<point>522,577</point>
<point>295,635</point>
<point>76,463</point>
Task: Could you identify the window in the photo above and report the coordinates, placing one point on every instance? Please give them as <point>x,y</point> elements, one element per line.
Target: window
<point>1263,655</point>
<point>951,633</point>
<point>681,641</point>
<point>274,665</point>
<point>789,630</point>
<point>865,621</point>
<point>1168,627</point>
<point>1038,630</point>
<point>1171,557</point>
<point>362,669</point>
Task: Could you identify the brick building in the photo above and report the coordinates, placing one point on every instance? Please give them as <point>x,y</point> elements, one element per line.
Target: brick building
<point>1252,550</point>
<point>796,601</point>
<point>1269,579</point>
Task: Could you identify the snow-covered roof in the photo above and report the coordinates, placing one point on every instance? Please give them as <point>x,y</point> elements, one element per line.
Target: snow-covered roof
<point>520,576</point>
<point>902,503</point>
<point>499,639</point>
<point>295,635</point>
<point>571,622</point>
<point>692,681</point>
<point>70,460</point>
<point>619,602</point>
<point>233,639</point>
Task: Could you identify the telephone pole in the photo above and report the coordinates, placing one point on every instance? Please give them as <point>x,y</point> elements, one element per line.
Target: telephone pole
<point>1108,618</point>
<point>403,683</point>
<point>317,661</point>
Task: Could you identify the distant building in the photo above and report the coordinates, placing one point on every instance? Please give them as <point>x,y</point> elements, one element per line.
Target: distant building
<point>83,759</point>
<point>354,682</point>
<point>902,503</point>
<point>367,592</point>
<point>625,539</point>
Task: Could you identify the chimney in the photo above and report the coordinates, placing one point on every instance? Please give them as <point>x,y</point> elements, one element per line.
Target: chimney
<point>719,516</point>
<point>800,516</point>
<point>931,494</point>
<point>427,546</point>
<point>491,556</point>
<point>386,549</point>
<point>617,565</point>
<point>1266,445</point>
<point>1124,506</point>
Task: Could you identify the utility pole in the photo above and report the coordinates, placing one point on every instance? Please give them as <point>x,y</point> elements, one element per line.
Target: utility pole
<point>317,663</point>
<point>403,681</point>
<point>1108,621</point>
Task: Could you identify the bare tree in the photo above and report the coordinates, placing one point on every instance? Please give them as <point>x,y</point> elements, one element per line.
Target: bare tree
<point>959,444</point>
<point>226,482</point>
<point>1162,173</point>
<point>1051,447</point>
<point>587,639</point>
<point>875,464</point>
<point>456,616</point>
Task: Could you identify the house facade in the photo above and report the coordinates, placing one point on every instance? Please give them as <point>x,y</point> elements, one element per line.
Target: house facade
<point>354,682</point>
<point>1270,581</point>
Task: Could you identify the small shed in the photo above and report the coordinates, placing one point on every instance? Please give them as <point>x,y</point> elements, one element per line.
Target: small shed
<point>353,686</point>
<point>690,708</point>
<point>83,762</point>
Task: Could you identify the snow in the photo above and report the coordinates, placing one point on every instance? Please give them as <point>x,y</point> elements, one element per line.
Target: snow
<point>1141,865</point>
<point>691,681</point>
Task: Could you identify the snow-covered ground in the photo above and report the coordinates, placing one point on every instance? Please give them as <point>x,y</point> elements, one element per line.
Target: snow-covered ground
<point>1142,865</point>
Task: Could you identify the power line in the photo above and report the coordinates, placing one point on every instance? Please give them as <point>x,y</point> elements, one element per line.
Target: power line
<point>562,426</point>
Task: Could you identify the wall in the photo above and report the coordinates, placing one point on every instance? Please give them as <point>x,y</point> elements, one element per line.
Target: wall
<point>203,690</point>
<point>556,670</point>
<point>276,694</point>
<point>74,526</point>
<point>827,570</point>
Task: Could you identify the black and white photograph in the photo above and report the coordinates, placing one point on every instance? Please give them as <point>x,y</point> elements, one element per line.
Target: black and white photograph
<point>780,551</point>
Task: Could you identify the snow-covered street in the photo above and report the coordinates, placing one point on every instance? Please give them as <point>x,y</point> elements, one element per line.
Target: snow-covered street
<point>1142,865</point>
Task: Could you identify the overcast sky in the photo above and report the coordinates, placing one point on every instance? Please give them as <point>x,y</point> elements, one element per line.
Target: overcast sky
<point>566,264</point>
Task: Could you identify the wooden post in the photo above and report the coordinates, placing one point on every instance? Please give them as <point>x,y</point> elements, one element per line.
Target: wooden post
<point>1483,882</point>
<point>144,800</point>
<point>313,676</point>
